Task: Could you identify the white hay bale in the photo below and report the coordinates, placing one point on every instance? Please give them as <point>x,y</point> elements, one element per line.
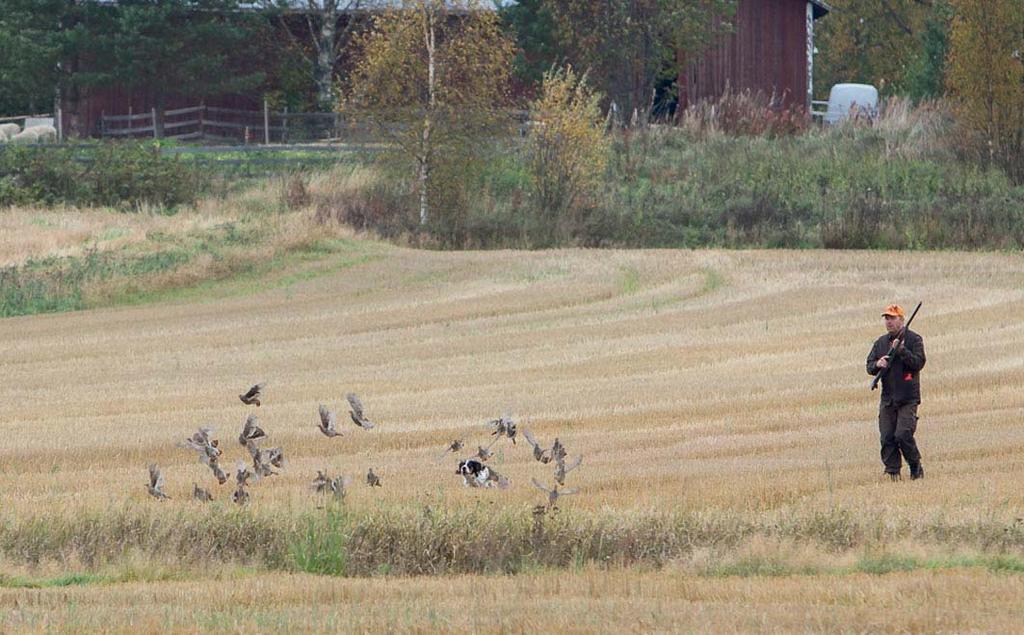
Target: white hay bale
<point>8,130</point>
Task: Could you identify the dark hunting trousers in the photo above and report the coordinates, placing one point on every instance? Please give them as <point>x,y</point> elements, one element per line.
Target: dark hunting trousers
<point>896,426</point>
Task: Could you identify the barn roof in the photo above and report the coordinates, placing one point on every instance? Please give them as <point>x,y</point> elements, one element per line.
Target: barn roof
<point>364,5</point>
<point>820,8</point>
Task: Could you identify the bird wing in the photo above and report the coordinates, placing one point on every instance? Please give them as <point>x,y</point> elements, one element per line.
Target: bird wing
<point>530,439</point>
<point>567,492</point>
<point>575,464</point>
<point>254,391</point>
<point>276,457</point>
<point>357,406</point>
<point>327,419</point>
<point>537,484</point>
<point>156,479</point>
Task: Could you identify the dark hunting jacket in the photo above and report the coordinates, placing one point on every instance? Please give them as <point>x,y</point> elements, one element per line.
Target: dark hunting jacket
<point>901,384</point>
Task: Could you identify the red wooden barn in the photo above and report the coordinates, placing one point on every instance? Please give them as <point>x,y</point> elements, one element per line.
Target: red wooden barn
<point>771,49</point>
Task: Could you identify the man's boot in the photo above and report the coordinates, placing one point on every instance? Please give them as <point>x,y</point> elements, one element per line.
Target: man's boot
<point>916,471</point>
<point>893,476</point>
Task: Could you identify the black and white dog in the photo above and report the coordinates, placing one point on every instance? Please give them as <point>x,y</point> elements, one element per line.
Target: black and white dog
<point>476,474</point>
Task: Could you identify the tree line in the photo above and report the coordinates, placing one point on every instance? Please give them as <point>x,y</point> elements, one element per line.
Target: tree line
<point>306,54</point>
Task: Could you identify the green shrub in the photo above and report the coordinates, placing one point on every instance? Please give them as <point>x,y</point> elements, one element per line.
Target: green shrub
<point>124,175</point>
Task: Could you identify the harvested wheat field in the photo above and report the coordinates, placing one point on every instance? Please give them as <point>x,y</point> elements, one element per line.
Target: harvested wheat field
<point>730,477</point>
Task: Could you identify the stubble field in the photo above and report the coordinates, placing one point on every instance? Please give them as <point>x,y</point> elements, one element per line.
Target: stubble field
<point>718,399</point>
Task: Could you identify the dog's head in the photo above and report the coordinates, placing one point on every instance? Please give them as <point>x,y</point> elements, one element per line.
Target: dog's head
<point>470,467</point>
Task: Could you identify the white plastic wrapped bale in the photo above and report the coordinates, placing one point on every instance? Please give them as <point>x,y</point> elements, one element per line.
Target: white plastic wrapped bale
<point>845,100</point>
<point>35,134</point>
<point>25,136</point>
<point>45,134</point>
<point>8,130</point>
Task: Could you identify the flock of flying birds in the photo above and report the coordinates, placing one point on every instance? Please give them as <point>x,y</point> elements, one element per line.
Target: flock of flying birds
<point>475,471</point>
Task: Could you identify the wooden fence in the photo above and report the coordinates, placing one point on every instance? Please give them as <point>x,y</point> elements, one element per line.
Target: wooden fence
<point>234,125</point>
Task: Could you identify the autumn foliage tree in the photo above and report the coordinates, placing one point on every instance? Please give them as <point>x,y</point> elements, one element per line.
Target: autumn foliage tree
<point>568,148</point>
<point>986,77</point>
<point>432,76</point>
<point>887,43</point>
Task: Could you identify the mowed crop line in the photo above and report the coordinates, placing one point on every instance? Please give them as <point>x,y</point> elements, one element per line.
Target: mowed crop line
<point>707,380</point>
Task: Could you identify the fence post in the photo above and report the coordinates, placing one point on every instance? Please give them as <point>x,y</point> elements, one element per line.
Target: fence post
<point>57,115</point>
<point>131,122</point>
<point>153,113</point>
<point>103,124</point>
<point>284,125</point>
<point>266,122</point>
<point>202,118</point>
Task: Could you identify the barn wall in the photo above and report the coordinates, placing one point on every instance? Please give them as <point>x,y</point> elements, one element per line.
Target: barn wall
<point>767,51</point>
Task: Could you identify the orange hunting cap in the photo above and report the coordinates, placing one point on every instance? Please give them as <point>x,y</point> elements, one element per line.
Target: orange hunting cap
<point>894,310</point>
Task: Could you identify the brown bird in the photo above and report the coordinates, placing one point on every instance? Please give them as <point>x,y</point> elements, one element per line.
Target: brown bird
<point>252,398</point>
<point>538,453</point>
<point>251,430</point>
<point>215,467</point>
<point>276,457</point>
<point>483,453</point>
<point>209,453</point>
<point>372,479</point>
<point>321,483</point>
<point>202,442</point>
<point>558,452</point>
<point>156,483</point>
<point>201,494</point>
<point>504,426</point>
<point>453,447</point>
<point>260,460</point>
<point>553,494</point>
<point>357,412</point>
<point>243,474</point>
<point>561,469</point>
<point>262,469</point>
<point>240,496</point>
<point>328,423</point>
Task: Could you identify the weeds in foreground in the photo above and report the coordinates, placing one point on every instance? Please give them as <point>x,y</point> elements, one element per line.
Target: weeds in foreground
<point>406,541</point>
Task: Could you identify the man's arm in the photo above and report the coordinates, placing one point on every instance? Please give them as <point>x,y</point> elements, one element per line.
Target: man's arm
<point>877,352</point>
<point>912,353</point>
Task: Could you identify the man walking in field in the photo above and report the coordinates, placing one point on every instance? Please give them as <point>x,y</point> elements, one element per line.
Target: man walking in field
<point>901,392</point>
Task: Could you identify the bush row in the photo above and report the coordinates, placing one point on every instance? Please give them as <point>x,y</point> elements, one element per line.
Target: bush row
<point>123,175</point>
<point>853,187</point>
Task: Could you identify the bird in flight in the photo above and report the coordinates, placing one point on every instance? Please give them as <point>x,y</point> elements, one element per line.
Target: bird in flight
<point>328,422</point>
<point>357,412</point>
<point>252,397</point>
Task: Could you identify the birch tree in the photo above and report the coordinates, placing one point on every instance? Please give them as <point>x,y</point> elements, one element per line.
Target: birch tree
<point>321,30</point>
<point>432,77</point>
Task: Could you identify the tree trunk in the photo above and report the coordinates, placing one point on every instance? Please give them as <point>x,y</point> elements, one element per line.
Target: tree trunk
<point>425,149</point>
<point>158,118</point>
<point>324,71</point>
